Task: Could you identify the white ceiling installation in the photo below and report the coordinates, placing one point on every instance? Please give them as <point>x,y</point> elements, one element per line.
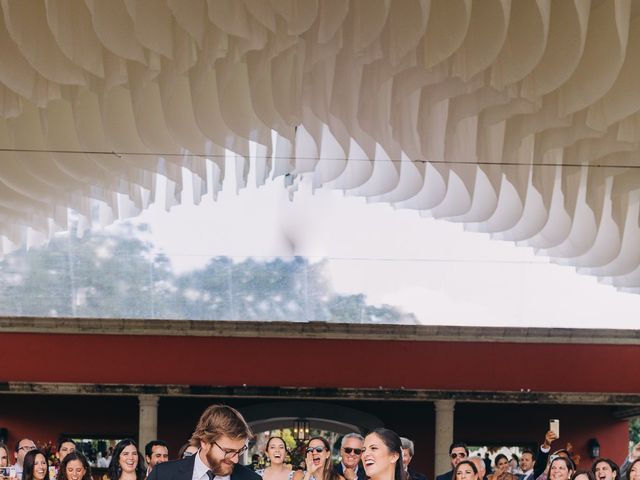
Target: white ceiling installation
<point>517,118</point>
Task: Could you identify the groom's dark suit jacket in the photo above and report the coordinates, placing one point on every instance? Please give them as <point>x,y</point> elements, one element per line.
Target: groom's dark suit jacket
<point>183,470</point>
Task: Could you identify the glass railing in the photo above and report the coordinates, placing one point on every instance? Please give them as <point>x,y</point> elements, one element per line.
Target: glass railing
<point>122,276</point>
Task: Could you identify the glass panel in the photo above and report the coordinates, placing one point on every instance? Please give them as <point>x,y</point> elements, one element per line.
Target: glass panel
<point>255,255</point>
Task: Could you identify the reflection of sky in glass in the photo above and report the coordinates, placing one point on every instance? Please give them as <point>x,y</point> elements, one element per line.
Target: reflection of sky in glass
<point>322,257</point>
<point>426,267</point>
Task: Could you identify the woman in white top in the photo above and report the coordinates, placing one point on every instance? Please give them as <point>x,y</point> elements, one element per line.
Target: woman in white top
<point>276,453</point>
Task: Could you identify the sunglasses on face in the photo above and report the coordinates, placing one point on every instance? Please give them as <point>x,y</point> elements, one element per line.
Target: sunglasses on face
<point>317,449</point>
<point>348,450</point>
<point>456,455</point>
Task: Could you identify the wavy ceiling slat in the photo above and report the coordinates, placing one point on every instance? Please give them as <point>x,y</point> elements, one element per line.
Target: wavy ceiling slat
<point>520,119</point>
<point>115,29</point>
<point>70,24</point>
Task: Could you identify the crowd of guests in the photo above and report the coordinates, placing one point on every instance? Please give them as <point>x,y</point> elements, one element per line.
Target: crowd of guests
<point>32,463</point>
<point>540,465</point>
<point>380,455</point>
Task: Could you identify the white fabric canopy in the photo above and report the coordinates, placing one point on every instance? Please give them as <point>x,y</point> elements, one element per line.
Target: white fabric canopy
<point>518,118</point>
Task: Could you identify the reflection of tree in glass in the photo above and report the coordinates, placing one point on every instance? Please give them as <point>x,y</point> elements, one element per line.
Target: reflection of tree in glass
<point>105,275</point>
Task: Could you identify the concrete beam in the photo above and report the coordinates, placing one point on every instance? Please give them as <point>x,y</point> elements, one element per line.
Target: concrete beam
<point>414,395</point>
<point>315,330</point>
<point>626,413</point>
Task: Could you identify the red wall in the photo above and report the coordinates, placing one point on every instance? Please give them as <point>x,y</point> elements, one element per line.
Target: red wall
<point>527,424</point>
<point>317,363</point>
<point>345,363</point>
<point>46,418</point>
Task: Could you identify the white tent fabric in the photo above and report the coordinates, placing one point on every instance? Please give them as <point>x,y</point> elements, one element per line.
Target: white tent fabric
<point>518,118</point>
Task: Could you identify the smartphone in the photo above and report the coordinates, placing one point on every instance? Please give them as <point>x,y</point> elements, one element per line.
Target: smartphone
<point>554,426</point>
<point>7,472</point>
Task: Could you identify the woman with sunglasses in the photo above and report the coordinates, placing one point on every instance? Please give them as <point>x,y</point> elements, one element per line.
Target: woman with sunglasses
<point>317,462</point>
<point>276,451</point>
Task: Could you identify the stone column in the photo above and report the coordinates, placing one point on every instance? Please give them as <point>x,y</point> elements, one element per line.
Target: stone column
<point>148,426</point>
<point>444,434</point>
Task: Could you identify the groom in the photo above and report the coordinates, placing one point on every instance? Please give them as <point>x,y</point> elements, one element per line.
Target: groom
<point>222,434</point>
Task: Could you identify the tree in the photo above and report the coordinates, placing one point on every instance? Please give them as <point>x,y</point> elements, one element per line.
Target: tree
<point>120,275</point>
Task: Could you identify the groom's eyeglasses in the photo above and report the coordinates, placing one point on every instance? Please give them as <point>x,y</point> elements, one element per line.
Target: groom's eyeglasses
<point>229,453</point>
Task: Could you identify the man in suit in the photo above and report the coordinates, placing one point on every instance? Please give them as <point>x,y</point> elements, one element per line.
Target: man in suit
<point>540,463</point>
<point>222,434</point>
<point>350,453</point>
<point>457,453</point>
<point>24,446</point>
<point>407,454</point>
<point>527,460</point>
<point>155,452</point>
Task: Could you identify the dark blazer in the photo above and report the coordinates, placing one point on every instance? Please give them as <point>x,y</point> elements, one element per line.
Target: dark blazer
<point>541,463</point>
<point>413,475</point>
<point>360,473</point>
<point>183,470</point>
<point>532,476</point>
<point>445,476</point>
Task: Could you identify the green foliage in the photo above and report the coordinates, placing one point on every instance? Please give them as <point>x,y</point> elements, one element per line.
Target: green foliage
<point>634,430</point>
<point>121,276</point>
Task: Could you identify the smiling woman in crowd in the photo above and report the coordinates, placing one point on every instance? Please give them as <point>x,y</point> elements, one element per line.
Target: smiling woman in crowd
<point>4,455</point>
<point>127,463</point>
<point>501,463</point>
<point>466,470</point>
<point>276,451</point>
<point>634,470</point>
<point>74,467</point>
<point>35,466</point>
<point>605,469</point>
<point>561,468</point>
<point>583,475</point>
<point>188,449</point>
<point>382,455</point>
<point>318,465</point>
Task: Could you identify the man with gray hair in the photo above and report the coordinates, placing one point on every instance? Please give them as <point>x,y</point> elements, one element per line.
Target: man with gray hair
<point>350,453</point>
<point>407,455</point>
<point>479,463</point>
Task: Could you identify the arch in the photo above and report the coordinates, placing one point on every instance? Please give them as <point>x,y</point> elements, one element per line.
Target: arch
<point>324,416</point>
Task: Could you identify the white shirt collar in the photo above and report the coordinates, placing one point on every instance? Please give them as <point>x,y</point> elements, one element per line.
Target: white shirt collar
<point>344,467</point>
<point>200,470</point>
